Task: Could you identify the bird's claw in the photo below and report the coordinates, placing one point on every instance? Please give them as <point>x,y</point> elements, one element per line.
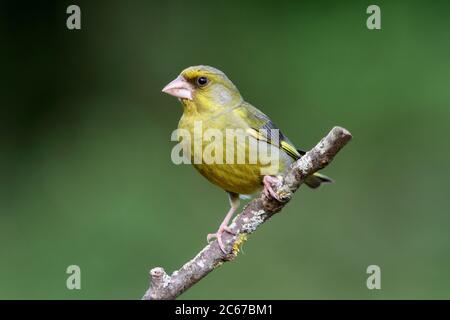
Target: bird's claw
<point>269,182</point>
<point>218,236</point>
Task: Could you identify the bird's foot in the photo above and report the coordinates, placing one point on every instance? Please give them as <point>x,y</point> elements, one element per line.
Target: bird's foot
<point>269,183</point>
<point>218,236</point>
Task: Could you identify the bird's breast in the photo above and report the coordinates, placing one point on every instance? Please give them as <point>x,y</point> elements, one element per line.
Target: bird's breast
<point>229,157</point>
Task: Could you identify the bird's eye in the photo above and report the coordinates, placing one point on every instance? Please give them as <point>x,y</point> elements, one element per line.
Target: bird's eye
<point>202,81</point>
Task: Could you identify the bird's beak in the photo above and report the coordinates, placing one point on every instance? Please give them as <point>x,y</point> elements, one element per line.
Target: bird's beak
<point>179,88</point>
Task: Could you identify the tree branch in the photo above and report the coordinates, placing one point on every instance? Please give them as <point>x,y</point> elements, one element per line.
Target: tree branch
<point>258,211</point>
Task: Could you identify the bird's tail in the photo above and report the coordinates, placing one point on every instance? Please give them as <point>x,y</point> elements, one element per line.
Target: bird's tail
<point>316,179</point>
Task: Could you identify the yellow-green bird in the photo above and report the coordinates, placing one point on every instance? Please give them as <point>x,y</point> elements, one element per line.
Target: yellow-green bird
<point>210,98</point>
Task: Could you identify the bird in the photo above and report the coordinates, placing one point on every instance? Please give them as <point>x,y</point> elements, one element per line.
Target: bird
<point>211,99</point>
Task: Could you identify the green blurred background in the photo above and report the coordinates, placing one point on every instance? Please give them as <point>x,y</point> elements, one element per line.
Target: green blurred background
<point>85,168</point>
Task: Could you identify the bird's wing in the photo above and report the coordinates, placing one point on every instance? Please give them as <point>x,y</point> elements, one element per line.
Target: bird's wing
<point>257,121</point>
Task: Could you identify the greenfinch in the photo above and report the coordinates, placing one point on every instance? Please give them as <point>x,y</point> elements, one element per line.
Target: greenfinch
<point>209,98</point>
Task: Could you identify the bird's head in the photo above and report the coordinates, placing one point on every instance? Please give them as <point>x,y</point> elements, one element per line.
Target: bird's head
<point>204,88</point>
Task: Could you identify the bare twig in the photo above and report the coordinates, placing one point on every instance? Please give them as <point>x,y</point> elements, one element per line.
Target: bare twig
<point>163,286</point>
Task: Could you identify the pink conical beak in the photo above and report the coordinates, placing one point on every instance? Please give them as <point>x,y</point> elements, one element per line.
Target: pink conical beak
<point>179,88</point>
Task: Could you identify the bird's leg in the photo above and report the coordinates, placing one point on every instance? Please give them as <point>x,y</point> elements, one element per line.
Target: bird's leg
<point>269,182</point>
<point>234,202</point>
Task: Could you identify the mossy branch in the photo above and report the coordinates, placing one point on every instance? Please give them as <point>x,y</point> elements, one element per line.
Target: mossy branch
<point>258,211</point>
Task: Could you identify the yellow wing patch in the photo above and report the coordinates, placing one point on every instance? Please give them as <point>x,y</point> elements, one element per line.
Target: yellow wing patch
<point>256,134</point>
<point>290,150</point>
